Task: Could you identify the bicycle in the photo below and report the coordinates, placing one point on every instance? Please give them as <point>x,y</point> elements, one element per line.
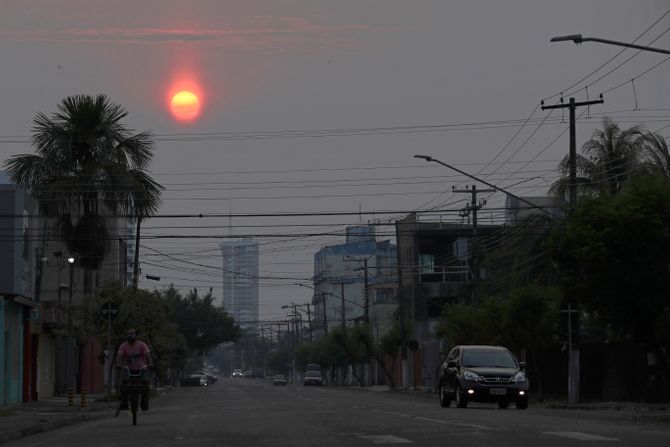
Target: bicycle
<point>134,384</point>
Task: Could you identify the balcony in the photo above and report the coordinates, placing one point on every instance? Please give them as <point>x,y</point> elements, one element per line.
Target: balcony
<point>443,281</point>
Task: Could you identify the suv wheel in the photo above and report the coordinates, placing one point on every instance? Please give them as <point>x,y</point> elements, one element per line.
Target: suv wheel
<point>522,404</point>
<point>445,400</point>
<point>503,404</point>
<point>461,400</point>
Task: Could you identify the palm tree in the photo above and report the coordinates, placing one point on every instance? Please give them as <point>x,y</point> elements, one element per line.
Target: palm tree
<point>610,157</point>
<point>656,156</point>
<point>85,157</point>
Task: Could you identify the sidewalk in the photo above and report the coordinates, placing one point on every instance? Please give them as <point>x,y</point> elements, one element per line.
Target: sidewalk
<point>28,418</point>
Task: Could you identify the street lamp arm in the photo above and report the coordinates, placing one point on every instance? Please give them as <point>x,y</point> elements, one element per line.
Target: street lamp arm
<point>428,158</point>
<point>577,38</point>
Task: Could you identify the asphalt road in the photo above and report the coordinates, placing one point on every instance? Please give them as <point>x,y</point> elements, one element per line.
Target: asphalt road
<point>252,412</point>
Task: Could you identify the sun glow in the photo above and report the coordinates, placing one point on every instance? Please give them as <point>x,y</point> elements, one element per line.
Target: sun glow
<point>185,106</point>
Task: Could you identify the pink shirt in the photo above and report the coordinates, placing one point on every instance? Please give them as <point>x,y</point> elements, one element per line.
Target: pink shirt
<point>133,355</point>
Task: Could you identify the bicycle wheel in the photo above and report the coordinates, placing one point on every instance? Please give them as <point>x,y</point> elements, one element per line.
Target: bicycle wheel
<point>134,403</point>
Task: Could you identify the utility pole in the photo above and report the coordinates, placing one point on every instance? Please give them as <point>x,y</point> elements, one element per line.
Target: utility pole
<point>309,321</point>
<point>366,307</point>
<point>473,207</point>
<point>344,324</point>
<point>573,354</point>
<point>572,162</point>
<point>325,317</point>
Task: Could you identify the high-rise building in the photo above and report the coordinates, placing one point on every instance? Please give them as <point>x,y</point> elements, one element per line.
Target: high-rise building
<point>240,281</point>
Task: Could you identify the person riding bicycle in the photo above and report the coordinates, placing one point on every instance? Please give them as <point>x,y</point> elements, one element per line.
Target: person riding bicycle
<point>135,355</point>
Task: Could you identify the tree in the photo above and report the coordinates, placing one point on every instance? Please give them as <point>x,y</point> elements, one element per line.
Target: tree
<point>472,325</point>
<point>609,159</point>
<point>86,157</point>
<point>519,255</point>
<point>388,346</point>
<point>530,319</point>
<point>615,257</point>
<point>656,156</point>
<point>202,324</point>
<point>144,311</point>
<point>278,361</point>
<point>525,319</point>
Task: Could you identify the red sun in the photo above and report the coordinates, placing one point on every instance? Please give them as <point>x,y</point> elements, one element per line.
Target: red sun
<point>185,106</point>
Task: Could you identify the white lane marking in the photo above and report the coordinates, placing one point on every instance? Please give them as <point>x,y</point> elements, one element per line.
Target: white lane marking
<point>579,436</point>
<point>386,439</point>
<point>478,427</point>
<point>398,414</point>
<point>437,421</point>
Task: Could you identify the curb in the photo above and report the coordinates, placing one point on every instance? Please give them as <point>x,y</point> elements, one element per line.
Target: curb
<point>11,435</point>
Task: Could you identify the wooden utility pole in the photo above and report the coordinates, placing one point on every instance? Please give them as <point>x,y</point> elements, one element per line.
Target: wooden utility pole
<point>472,208</point>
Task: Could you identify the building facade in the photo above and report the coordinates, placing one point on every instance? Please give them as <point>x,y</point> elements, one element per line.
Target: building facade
<point>18,302</point>
<point>340,276</point>
<point>240,281</point>
<point>435,260</point>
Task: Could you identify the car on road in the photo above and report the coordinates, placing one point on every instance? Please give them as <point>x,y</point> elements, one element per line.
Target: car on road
<point>196,378</point>
<point>478,373</point>
<point>237,373</point>
<point>279,379</point>
<point>312,378</point>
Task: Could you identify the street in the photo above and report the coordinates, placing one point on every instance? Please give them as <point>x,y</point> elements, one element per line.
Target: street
<point>253,412</point>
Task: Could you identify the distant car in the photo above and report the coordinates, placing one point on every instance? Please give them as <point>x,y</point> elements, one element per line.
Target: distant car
<point>237,373</point>
<point>197,378</point>
<point>279,379</point>
<point>483,374</point>
<point>312,378</point>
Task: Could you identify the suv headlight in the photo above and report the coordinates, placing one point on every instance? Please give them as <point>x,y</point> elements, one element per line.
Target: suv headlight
<point>519,377</point>
<point>469,375</point>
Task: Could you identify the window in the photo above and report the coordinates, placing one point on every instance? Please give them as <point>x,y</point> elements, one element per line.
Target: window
<point>427,263</point>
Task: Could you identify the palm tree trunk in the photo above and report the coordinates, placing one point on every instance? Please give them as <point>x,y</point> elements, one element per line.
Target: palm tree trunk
<point>136,263</point>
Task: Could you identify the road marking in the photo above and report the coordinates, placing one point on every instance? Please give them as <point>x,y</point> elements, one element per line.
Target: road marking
<point>579,436</point>
<point>385,439</point>
<point>398,414</point>
<point>437,421</point>
<point>463,424</point>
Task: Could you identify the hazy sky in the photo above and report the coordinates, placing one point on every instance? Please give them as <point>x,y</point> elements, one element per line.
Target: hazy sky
<point>319,106</point>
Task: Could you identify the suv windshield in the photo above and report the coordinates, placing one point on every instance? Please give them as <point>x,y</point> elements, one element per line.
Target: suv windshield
<point>492,359</point>
<point>313,374</point>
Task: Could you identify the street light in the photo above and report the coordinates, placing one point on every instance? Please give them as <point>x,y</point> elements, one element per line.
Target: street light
<point>429,158</point>
<point>577,38</point>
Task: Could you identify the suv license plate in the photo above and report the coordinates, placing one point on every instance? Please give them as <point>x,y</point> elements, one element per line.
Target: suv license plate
<point>498,391</point>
